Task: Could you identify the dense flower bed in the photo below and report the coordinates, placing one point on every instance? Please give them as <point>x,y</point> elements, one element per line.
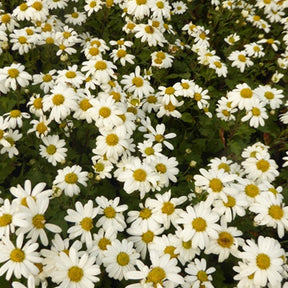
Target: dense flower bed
<point>143,143</point>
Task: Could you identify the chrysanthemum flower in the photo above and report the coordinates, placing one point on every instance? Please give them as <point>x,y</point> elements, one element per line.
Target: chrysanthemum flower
<point>69,178</point>
<point>119,258</point>
<point>19,258</point>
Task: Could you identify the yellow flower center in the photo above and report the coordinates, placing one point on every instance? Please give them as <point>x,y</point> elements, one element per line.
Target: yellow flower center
<point>169,90</point>
<point>58,99</point>
<point>105,112</point>
<point>256,48</point>
<point>202,35</point>
<point>141,2</point>
<point>160,4</point>
<point>71,178</point>
<point>10,140</point>
<point>145,213</point>
<point>38,221</point>
<point>131,26</point>
<point>22,40</point>
<point>276,212</point>
<point>103,243</point>
<point>37,5</point>
<point>159,138</point>
<point>230,201</point>
<point>217,64</point>
<point>151,99</point>
<point>202,276</point>
<point>94,51</point>
<point>270,41</point>
<point>85,104</point>
<point>252,190</point>
<point>185,85</point>
<point>197,96</point>
<point>123,259</point>
<point>171,251</point>
<point>147,237</point>
<point>120,42</point>
<point>13,72</point>
<point>262,165</point>
<point>99,167</point>
<point>47,78</point>
<point>87,223</point>
<point>70,74</point>
<point>246,93</point>
<point>37,103</point>
<point>224,166</point>
<point>112,139</point>
<point>256,18</point>
<point>149,151</point>
<point>75,15</point>
<point>116,96</point>
<point>66,34</point>
<point>1,134</point>
<point>75,273</point>
<point>109,212</point>
<point>256,111</point>
<point>121,53</point>
<point>100,65</point>
<point>187,244</point>
<point>51,149</point>
<point>140,175</point>
<point>156,276</point>
<point>216,185</point>
<point>137,81</point>
<point>168,208</point>
<point>23,7</point>
<point>199,224</point>
<point>17,255</point>
<point>170,107</point>
<point>269,95</point>
<point>5,18</point>
<point>47,28</point>
<point>263,261</point>
<point>42,128</point>
<point>162,55</point>
<point>5,220</point>
<point>242,58</point>
<point>15,113</point>
<point>225,239</point>
<point>160,167</point>
<point>149,29</point>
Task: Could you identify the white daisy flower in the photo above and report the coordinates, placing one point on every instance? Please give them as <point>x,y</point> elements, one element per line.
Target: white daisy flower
<point>240,60</point>
<point>199,224</point>
<point>139,9</point>
<point>257,114</point>
<point>40,127</point>
<point>15,75</point>
<point>165,209</point>
<point>119,258</point>
<point>75,270</point>
<point>261,168</point>
<point>271,212</point>
<point>60,103</point>
<point>162,272</point>
<point>19,258</point>
<point>144,218</point>
<point>269,95</point>
<point>198,274</point>
<point>69,178</point>
<point>101,242</point>
<point>136,84</point>
<point>54,149</point>
<point>264,261</point>
<point>11,137</point>
<point>22,193</point>
<point>227,242</point>
<point>83,218</point>
<point>34,222</point>
<point>15,117</point>
<point>112,220</point>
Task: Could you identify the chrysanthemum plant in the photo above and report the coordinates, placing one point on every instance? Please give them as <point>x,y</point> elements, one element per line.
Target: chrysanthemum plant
<point>143,143</point>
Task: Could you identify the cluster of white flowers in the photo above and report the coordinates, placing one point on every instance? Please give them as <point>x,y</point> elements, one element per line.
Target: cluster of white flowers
<point>167,240</point>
